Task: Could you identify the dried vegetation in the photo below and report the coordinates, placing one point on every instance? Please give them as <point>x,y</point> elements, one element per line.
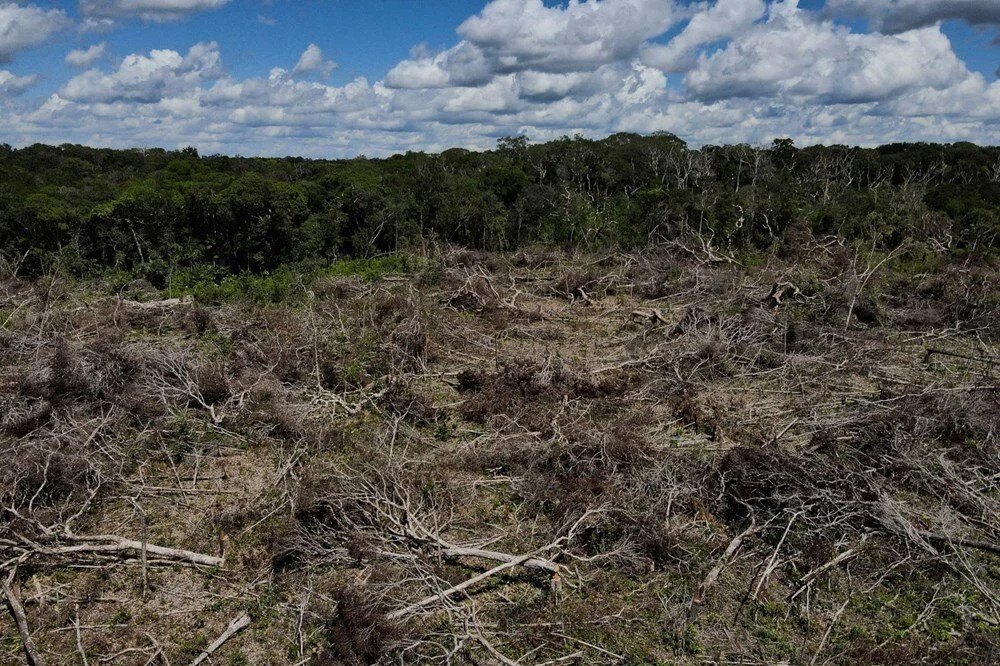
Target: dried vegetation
<point>655,458</point>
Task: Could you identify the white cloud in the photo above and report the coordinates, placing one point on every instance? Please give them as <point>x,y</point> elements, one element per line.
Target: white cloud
<point>146,79</point>
<point>462,65</point>
<point>971,98</point>
<point>526,34</point>
<point>147,10</point>
<point>96,25</point>
<point>312,62</point>
<point>11,85</point>
<point>724,19</point>
<point>549,87</point>
<point>894,16</point>
<point>511,36</point>
<point>796,56</point>
<point>83,58</point>
<point>519,66</point>
<point>23,27</point>
<point>422,73</point>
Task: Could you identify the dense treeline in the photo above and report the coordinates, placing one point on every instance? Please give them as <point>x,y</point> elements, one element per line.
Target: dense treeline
<point>157,211</point>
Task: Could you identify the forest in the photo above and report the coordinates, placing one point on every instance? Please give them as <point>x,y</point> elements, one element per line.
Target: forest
<point>158,214</point>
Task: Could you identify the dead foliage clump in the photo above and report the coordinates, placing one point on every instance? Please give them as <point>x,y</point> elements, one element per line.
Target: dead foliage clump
<point>340,288</point>
<point>519,384</point>
<point>653,274</point>
<point>405,399</point>
<point>583,284</point>
<point>357,632</point>
<point>761,483</point>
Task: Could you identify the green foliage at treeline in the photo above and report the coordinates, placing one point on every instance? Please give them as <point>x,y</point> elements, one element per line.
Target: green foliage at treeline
<point>158,212</point>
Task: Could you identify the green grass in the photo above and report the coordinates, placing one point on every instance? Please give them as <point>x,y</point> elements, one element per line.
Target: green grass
<point>289,284</point>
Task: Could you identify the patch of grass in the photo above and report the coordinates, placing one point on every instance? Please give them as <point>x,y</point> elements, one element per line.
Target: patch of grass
<point>375,268</point>
<point>288,284</point>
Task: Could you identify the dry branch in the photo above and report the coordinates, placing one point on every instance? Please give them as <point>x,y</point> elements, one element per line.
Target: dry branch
<point>31,653</point>
<point>958,541</point>
<point>812,575</point>
<point>533,563</point>
<point>108,543</point>
<point>235,627</point>
<point>699,597</point>
<point>155,305</point>
<point>464,585</point>
<point>117,543</point>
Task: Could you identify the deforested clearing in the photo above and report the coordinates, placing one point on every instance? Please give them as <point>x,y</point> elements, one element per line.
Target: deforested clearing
<point>658,456</point>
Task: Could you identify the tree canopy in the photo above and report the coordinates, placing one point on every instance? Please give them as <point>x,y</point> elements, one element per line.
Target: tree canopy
<point>156,210</point>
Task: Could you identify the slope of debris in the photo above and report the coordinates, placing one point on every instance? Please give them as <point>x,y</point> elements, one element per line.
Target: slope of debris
<point>654,458</point>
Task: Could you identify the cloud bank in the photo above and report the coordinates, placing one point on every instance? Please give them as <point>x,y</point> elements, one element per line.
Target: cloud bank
<point>718,71</point>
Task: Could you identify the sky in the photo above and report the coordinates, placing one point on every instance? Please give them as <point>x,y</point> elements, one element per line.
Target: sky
<point>341,78</point>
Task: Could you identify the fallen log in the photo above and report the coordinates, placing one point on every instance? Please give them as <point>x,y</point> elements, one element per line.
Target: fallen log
<point>108,543</point>
<point>931,351</point>
<point>31,653</point>
<point>426,601</point>
<point>153,305</point>
<point>235,627</point>
<point>958,541</point>
<point>533,563</point>
<point>709,581</point>
<point>779,291</point>
<point>653,315</point>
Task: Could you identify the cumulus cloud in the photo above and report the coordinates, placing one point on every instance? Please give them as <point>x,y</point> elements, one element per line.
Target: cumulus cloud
<point>715,71</point>
<point>724,19</point>
<point>893,16</point>
<point>970,98</point>
<point>514,36</point>
<point>312,62</point>
<point>146,79</point>
<point>147,10</point>
<point>526,34</point>
<point>23,27</point>
<point>83,58</point>
<point>549,87</point>
<point>795,56</point>
<point>11,85</point>
<point>462,65</point>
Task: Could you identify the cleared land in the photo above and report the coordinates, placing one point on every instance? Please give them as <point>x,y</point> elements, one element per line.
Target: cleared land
<point>655,458</point>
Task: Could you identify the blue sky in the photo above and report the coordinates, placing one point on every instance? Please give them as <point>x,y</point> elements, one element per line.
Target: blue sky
<point>338,78</point>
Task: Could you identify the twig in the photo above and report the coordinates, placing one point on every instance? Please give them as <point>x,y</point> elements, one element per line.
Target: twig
<point>499,656</point>
<point>774,556</point>
<point>829,628</point>
<point>812,575</point>
<point>590,645</point>
<point>79,637</point>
